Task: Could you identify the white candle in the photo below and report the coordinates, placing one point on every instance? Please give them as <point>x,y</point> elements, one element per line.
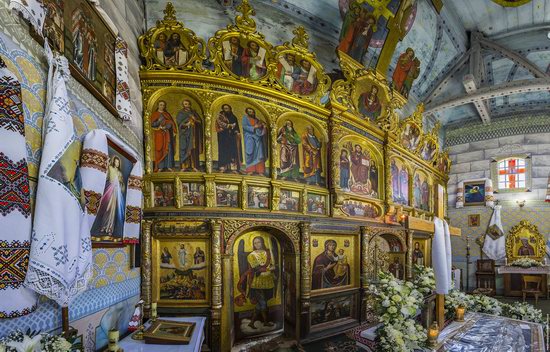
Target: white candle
<point>154,310</point>
<point>113,340</point>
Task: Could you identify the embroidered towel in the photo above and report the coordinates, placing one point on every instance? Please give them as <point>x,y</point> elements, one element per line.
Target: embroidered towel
<point>32,10</point>
<point>123,104</point>
<point>441,256</point>
<point>495,240</point>
<point>15,202</point>
<point>113,204</point>
<point>61,252</point>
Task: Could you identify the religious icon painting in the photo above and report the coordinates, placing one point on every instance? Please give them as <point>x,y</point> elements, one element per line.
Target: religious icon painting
<point>421,255</point>
<point>474,193</point>
<point>241,143</point>
<point>333,265</point>
<point>421,191</point>
<point>316,204</point>
<point>163,194</point>
<point>359,169</point>
<point>245,58</point>
<point>399,181</point>
<point>89,46</point>
<point>171,48</point>
<point>227,196</point>
<point>301,149</point>
<point>473,220</point>
<point>258,197</point>
<point>192,194</point>
<point>332,310</point>
<point>54,24</point>
<point>359,209</point>
<point>370,103</point>
<point>181,271</point>
<point>407,69</point>
<point>289,201</point>
<point>108,225</point>
<point>410,136</point>
<point>296,73</point>
<point>258,299</point>
<point>428,150</point>
<point>177,133</point>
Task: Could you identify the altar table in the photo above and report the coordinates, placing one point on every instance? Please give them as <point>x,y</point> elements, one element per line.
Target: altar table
<point>513,282</point>
<point>129,344</point>
<point>489,333</point>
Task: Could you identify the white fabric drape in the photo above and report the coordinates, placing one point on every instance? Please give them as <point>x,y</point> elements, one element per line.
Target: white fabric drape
<point>442,256</point>
<point>495,240</point>
<point>61,251</point>
<point>94,166</point>
<point>15,202</point>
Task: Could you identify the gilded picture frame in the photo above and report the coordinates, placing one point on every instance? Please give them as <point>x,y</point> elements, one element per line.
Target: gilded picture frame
<point>525,241</point>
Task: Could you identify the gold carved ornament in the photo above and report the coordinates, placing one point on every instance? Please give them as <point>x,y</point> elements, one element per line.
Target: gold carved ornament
<point>299,49</point>
<point>152,43</point>
<point>415,120</point>
<point>232,228</point>
<point>525,230</point>
<point>245,30</point>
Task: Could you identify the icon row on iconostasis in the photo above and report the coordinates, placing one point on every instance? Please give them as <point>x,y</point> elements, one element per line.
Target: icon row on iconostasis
<point>238,51</point>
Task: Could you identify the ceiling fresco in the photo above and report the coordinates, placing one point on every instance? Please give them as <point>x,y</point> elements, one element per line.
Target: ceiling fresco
<point>441,40</point>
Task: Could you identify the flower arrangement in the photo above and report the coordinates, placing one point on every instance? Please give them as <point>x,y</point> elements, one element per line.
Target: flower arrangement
<point>397,303</point>
<point>33,342</point>
<point>424,279</point>
<point>526,262</point>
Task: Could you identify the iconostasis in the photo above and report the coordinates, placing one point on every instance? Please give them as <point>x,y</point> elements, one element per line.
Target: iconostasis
<point>257,163</point>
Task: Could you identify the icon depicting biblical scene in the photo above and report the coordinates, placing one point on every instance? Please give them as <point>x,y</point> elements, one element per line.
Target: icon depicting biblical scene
<point>177,132</point>
<point>360,209</point>
<point>54,24</point>
<point>227,195</point>
<point>428,150</point>
<point>410,137</point>
<point>170,49</point>
<point>406,71</point>
<point>85,40</point>
<point>193,194</point>
<point>163,194</point>
<point>258,197</point>
<point>331,310</point>
<point>183,270</point>
<point>241,143</point>
<point>418,254</point>
<point>421,191</point>
<point>257,284</point>
<point>399,182</point>
<point>296,74</point>
<point>333,262</point>
<point>358,169</point>
<point>357,31</point>
<point>300,152</point>
<point>316,204</point>
<point>245,58</point>
<point>369,103</point>
<point>109,222</point>
<point>289,201</point>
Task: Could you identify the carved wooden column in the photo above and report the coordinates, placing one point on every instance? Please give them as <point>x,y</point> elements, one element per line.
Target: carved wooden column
<point>366,236</point>
<point>305,276</point>
<point>146,266</point>
<point>227,309</point>
<point>409,259</point>
<point>217,302</point>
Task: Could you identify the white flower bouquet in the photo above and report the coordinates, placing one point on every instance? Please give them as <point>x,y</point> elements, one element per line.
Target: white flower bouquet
<point>397,302</point>
<point>424,279</point>
<point>526,262</point>
<point>32,342</point>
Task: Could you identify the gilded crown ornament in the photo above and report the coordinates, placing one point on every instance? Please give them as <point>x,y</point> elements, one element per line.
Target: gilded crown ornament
<point>169,12</point>
<point>301,38</point>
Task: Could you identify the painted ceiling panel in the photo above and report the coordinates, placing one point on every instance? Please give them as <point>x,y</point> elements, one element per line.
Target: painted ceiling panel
<point>463,112</point>
<point>500,69</point>
<point>525,98</point>
<point>541,59</point>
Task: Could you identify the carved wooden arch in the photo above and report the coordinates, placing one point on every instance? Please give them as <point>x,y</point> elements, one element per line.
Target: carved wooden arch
<point>373,232</point>
<point>289,231</point>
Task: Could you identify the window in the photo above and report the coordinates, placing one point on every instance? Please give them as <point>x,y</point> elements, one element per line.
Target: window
<point>512,174</point>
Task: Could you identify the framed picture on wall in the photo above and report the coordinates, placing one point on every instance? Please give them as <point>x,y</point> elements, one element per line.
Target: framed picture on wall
<point>474,193</point>
<point>473,220</point>
<point>77,30</point>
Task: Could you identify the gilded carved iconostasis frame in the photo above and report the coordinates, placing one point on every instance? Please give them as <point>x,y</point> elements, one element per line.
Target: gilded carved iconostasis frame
<point>288,175</point>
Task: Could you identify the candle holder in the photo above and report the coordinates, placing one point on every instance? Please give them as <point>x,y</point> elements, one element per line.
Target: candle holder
<point>433,334</point>
<point>459,313</point>
<point>113,340</point>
